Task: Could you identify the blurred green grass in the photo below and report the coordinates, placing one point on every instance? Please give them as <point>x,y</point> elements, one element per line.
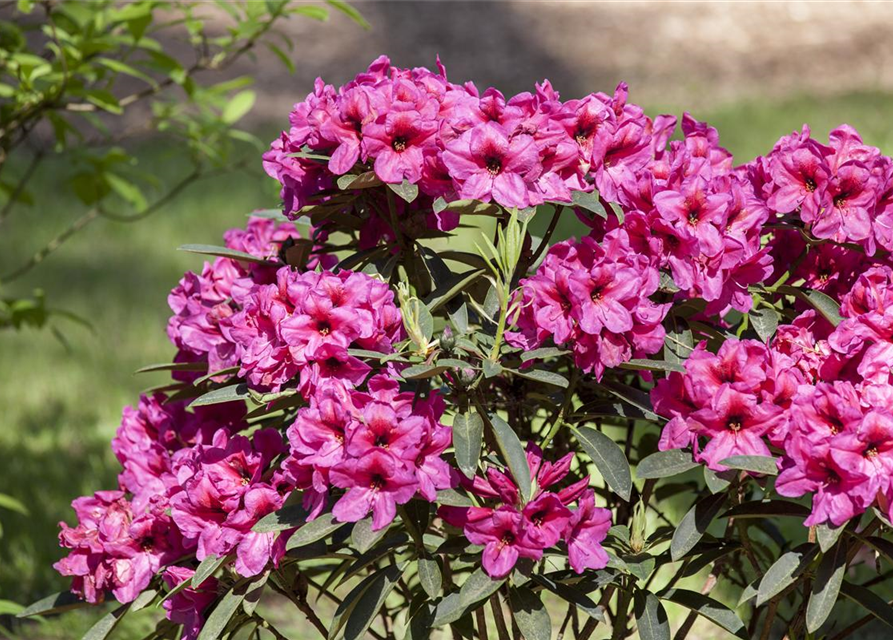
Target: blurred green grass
<point>60,406</point>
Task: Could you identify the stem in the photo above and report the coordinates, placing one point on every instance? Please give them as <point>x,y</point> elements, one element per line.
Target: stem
<point>304,607</point>
<point>548,236</point>
<point>619,630</point>
<point>20,187</point>
<point>770,618</point>
<point>500,328</point>
<point>498,616</point>
<point>481,624</point>
<point>558,420</point>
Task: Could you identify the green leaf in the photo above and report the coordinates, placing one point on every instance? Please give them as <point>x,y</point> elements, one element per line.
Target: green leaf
<point>512,451</point>
<point>757,464</point>
<point>824,304</point>
<point>56,603</point>
<point>651,619</point>
<point>826,587</point>
<point>530,614</point>
<point>406,190</point>
<point>491,369</point>
<point>709,608</point>
<point>827,536</point>
<point>350,12</point>
<point>453,498</point>
<point>363,537</point>
<point>430,576</point>
<point>638,364</point>
<point>216,622</point>
<point>284,58</point>
<point>771,509</point>
<point>468,433</point>
<point>348,604</point>
<point>238,106</point>
<point>694,525</point>
<point>538,375</point>
<point>477,587</point>
<point>716,482</point>
<point>869,600</point>
<point>206,568</point>
<point>445,292</point>
<point>590,202</point>
<point>224,252</point>
<point>230,393</point>
<point>106,624</point>
<point>421,371</point>
<point>317,529</point>
<point>371,601</point>
<point>543,353</point>
<point>634,397</point>
<point>11,504</point>
<point>785,570</point>
<point>363,181</point>
<point>765,322</point>
<point>105,100</point>
<point>572,595</point>
<point>664,464</point>
<point>449,609</point>
<point>608,458</point>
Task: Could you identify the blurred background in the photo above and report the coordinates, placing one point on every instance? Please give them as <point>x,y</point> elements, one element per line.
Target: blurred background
<point>756,71</point>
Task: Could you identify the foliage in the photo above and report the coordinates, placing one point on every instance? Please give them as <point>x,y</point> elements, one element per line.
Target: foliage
<point>462,341</point>
<point>82,80</point>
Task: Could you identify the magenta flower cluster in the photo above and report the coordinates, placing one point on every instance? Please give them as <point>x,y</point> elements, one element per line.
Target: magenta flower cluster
<point>594,299</point>
<point>819,396</point>
<point>381,446</point>
<point>512,530</point>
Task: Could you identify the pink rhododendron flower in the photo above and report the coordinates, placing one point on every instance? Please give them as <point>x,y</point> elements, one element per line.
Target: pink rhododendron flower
<point>188,605</point>
<point>588,527</point>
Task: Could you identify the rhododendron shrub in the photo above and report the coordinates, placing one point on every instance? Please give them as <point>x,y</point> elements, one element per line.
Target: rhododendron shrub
<point>689,402</point>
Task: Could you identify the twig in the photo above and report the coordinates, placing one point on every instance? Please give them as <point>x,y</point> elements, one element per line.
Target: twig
<point>20,187</point>
<point>481,624</point>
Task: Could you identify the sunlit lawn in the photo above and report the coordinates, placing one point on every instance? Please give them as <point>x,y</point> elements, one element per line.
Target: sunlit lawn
<point>59,405</point>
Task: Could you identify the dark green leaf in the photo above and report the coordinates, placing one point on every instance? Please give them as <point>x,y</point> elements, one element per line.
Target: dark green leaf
<point>491,369</point>
<point>405,190</point>
<point>694,524</point>
<point>371,601</point>
<point>229,393</point>
<point>317,529</point>
<point>106,624</point>
<point>453,498</point>
<point>664,464</point>
<point>538,375</point>
<point>608,458</point>
<point>218,619</point>
<point>714,611</point>
<point>430,576</point>
<point>420,371</point>
<point>224,252</point>
<point>785,570</point>
<point>448,610</point>
<point>765,322</point>
<point>827,536</point>
<point>477,587</point>
<point>56,603</point>
<point>826,587</point>
<point>206,569</point>
<point>445,292</point>
<point>512,452</point>
<point>543,353</point>
<point>651,619</point>
<point>530,614</point>
<point>757,464</point>
<point>468,433</point>
<point>363,537</point>
<point>637,364</point>
<point>821,302</point>
<point>363,181</point>
<point>634,397</point>
<point>349,603</point>
<point>590,202</point>
<point>869,600</point>
<point>772,509</point>
<point>716,482</point>
<point>572,595</point>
